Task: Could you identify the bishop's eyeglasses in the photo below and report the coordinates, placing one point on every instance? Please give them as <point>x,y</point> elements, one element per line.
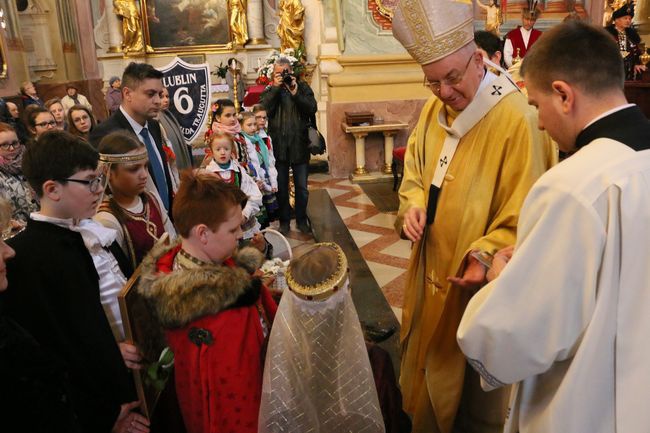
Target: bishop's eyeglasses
<point>453,80</point>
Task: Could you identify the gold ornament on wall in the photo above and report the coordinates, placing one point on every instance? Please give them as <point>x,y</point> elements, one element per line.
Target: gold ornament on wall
<point>238,24</point>
<point>132,36</point>
<point>292,24</point>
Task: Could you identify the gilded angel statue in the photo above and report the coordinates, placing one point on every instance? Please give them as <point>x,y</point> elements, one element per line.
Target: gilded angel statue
<point>493,19</point>
<point>132,37</point>
<point>238,24</point>
<point>292,24</point>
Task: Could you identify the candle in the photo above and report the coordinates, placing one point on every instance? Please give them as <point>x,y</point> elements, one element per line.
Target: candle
<point>259,63</point>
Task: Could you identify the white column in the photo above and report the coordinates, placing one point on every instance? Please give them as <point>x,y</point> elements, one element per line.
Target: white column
<point>389,143</point>
<point>255,18</point>
<point>360,145</point>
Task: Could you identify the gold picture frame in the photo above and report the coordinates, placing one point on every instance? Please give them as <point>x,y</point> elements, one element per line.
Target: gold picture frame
<point>141,328</point>
<point>173,26</point>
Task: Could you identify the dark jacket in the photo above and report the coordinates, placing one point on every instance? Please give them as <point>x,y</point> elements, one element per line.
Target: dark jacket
<point>36,395</point>
<point>54,295</point>
<point>289,117</point>
<point>28,100</point>
<point>113,100</point>
<point>117,122</point>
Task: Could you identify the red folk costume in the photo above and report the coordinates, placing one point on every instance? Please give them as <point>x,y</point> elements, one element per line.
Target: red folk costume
<point>216,320</point>
<point>141,229</point>
<point>518,41</point>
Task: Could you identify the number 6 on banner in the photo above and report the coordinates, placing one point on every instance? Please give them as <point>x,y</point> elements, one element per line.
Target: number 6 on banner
<point>180,98</point>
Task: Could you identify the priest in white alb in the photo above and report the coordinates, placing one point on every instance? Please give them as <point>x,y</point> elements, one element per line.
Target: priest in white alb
<point>470,161</point>
<point>567,320</point>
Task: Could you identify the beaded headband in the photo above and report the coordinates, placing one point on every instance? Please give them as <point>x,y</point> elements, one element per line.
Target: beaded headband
<point>123,158</point>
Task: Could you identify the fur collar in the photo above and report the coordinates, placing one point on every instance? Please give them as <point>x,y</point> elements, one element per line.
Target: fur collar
<point>181,297</point>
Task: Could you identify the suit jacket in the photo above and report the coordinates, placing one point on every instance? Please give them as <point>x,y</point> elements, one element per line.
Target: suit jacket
<point>54,294</point>
<point>173,129</point>
<point>117,122</point>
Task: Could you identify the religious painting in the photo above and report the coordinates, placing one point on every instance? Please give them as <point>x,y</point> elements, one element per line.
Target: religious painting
<point>142,329</point>
<point>185,25</point>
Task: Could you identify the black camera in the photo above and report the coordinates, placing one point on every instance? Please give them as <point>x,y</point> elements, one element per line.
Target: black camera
<point>287,77</point>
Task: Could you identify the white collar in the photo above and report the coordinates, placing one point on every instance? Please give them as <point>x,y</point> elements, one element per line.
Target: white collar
<point>135,125</point>
<point>607,113</point>
<point>214,166</point>
<point>92,232</point>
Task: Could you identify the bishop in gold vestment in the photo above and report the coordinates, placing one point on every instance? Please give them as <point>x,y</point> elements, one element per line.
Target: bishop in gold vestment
<point>495,163</point>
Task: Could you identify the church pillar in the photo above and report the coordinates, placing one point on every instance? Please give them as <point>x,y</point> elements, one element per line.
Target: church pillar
<point>255,14</point>
<point>87,52</point>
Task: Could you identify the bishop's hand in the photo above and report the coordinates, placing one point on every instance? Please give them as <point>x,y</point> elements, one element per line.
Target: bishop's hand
<point>473,277</point>
<point>414,221</point>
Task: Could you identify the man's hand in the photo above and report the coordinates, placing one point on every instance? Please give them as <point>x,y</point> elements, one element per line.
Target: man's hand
<point>414,221</point>
<point>639,69</point>
<point>131,354</point>
<point>293,87</point>
<point>501,259</point>
<point>473,277</point>
<point>129,421</point>
<point>277,79</point>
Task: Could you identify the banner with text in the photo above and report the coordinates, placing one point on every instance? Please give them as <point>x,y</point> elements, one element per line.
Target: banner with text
<point>189,95</point>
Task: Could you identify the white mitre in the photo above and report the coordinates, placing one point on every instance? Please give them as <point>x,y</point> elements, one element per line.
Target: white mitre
<point>433,29</point>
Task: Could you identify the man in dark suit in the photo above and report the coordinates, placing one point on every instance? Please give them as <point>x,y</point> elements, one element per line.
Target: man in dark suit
<point>141,98</point>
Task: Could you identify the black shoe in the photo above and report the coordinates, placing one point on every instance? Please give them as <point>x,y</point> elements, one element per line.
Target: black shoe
<point>285,228</point>
<point>304,227</point>
<point>376,333</point>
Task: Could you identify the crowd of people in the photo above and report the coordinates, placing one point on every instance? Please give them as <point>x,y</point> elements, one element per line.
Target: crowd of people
<point>527,277</point>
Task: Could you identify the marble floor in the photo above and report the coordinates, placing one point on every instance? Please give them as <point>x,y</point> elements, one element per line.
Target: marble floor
<point>384,252</point>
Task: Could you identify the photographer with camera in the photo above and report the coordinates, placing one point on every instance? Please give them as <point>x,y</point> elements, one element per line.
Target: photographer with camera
<point>290,105</point>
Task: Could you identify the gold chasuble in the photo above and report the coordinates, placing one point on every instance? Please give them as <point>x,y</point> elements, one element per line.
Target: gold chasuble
<point>495,164</point>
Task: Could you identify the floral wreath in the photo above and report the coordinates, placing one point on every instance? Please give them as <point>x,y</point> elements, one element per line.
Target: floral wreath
<point>295,57</point>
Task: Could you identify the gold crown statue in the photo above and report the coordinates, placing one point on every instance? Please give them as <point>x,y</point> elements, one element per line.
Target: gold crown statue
<point>433,29</point>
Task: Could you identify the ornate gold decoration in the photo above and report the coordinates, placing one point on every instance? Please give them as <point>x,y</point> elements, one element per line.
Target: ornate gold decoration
<point>292,24</point>
<point>330,283</point>
<point>383,10</point>
<point>238,24</point>
<point>132,35</point>
<point>360,171</point>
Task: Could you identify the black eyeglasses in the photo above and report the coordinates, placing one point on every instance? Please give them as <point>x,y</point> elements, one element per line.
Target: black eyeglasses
<point>46,124</point>
<point>10,146</point>
<point>94,185</point>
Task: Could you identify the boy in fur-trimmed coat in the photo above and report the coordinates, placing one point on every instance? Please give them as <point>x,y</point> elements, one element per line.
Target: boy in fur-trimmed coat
<point>215,311</point>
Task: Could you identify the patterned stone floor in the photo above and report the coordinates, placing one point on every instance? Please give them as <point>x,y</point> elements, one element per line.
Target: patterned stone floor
<point>385,253</point>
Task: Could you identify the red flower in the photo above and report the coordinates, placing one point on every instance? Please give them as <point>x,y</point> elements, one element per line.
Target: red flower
<point>169,152</point>
<point>262,80</point>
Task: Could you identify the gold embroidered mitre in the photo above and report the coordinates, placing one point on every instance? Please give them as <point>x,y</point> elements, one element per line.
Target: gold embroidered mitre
<point>433,29</point>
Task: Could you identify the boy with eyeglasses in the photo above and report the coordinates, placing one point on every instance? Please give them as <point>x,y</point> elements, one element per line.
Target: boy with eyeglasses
<point>67,267</point>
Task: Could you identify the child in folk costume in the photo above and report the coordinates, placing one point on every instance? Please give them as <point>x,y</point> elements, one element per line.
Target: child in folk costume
<point>130,208</point>
<point>229,170</point>
<point>267,175</point>
<point>270,200</point>
<point>225,120</point>
<point>317,375</point>
<point>215,311</point>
